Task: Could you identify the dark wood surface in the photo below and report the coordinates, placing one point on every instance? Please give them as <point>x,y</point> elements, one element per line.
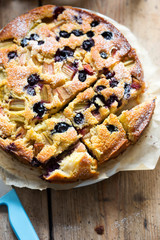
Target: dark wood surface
<point>127,205</point>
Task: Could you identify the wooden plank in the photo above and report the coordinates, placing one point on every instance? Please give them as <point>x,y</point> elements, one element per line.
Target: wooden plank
<point>10,9</point>
<point>5,229</point>
<point>36,205</point>
<point>128,204</point>
<point>34,202</point>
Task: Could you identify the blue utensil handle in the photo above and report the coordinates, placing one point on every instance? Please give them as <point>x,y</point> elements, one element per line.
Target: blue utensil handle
<point>18,218</point>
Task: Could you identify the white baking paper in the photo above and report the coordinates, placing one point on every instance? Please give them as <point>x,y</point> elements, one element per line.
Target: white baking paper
<point>143,155</point>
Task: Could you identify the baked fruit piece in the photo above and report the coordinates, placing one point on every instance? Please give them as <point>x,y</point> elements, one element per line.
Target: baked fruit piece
<point>115,134</point>
<point>54,56</point>
<point>73,164</point>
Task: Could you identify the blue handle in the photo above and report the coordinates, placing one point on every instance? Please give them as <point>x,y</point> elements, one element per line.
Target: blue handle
<point>18,218</point>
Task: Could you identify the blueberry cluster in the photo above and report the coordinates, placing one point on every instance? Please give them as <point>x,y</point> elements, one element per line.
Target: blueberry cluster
<point>33,37</point>
<point>32,80</point>
<point>63,54</point>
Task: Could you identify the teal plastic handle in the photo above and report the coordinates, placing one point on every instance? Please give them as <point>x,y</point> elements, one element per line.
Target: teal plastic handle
<point>18,218</point>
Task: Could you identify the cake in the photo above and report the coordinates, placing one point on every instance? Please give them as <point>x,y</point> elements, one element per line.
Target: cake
<point>65,77</point>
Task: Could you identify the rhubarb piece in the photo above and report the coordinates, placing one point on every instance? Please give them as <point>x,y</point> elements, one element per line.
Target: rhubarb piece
<point>46,93</point>
<point>48,68</point>
<point>69,70</point>
<point>17,105</point>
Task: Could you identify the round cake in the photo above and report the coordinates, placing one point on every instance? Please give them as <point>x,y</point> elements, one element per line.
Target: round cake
<point>66,76</point>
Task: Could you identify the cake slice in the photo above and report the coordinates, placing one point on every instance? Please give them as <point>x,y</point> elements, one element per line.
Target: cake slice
<point>72,165</point>
<point>115,134</point>
<point>107,140</point>
<point>40,142</point>
<point>87,109</point>
<point>108,95</point>
<point>136,120</point>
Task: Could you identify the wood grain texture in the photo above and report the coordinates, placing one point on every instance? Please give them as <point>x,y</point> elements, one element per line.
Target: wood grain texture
<point>128,204</point>
<point>36,206</point>
<point>9,9</point>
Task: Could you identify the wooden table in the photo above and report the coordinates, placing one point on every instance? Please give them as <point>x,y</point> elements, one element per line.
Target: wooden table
<point>128,204</point>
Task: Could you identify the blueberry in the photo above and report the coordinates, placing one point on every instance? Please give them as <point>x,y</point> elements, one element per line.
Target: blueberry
<point>127,88</point>
<point>35,162</point>
<point>109,74</point>
<point>75,63</point>
<point>31,91</point>
<point>11,147</point>
<point>78,19</point>
<point>52,165</point>
<point>12,54</point>
<point>34,37</point>
<point>111,128</point>
<point>40,42</point>
<point>63,54</point>
<point>55,165</point>
<point>88,44</point>
<point>111,100</point>
<point>39,108</point>
<point>95,99</point>
<point>82,75</point>
<point>57,11</point>
<point>100,88</point>
<point>68,51</point>
<point>113,82</point>
<point>33,79</point>
<point>59,56</point>
<point>107,35</point>
<point>57,38</point>
<point>79,118</point>
<point>77,33</point>
<point>90,34</point>
<point>24,42</point>
<point>60,127</point>
<point>94,23</point>
<point>103,55</point>
<point>119,102</point>
<point>64,34</point>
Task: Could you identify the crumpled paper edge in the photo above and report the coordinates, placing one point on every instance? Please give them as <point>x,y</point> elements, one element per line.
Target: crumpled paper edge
<point>143,155</point>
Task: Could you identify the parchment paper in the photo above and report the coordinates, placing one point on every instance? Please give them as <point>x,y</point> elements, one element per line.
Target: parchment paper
<point>143,155</point>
